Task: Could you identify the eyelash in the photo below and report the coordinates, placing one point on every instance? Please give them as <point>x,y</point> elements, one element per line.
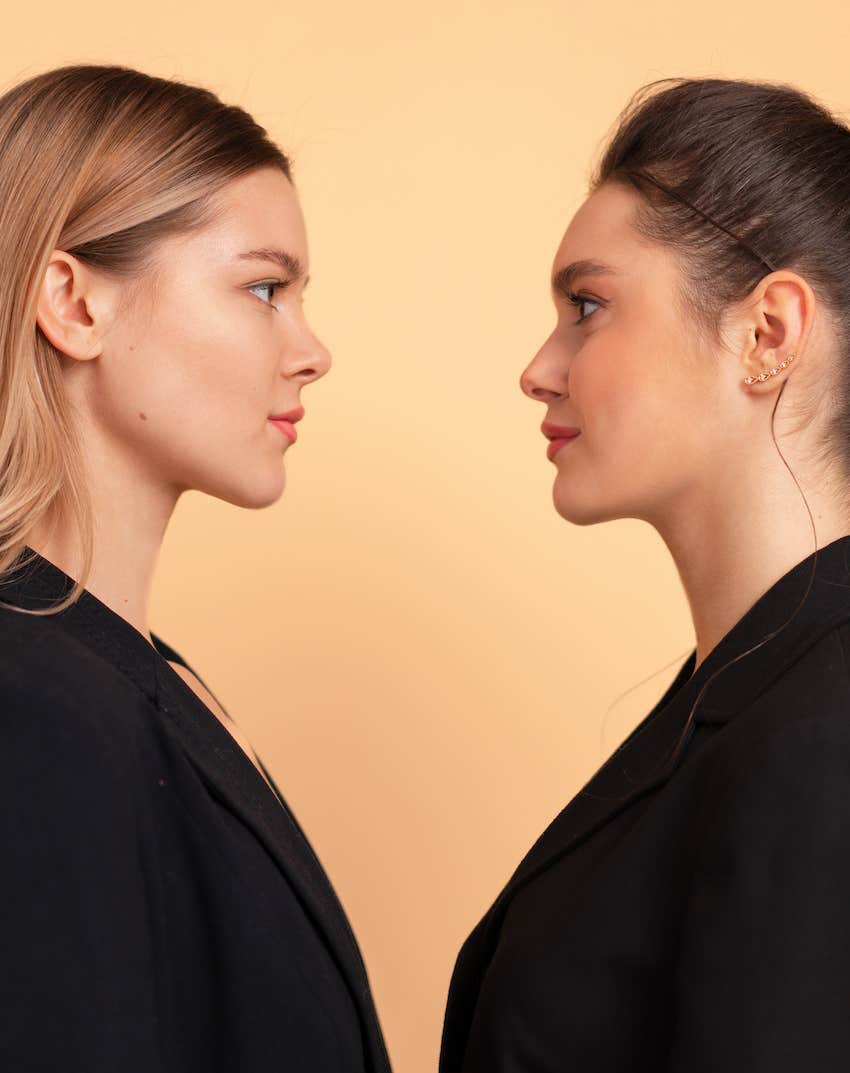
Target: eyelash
<point>579,300</point>
<point>272,285</point>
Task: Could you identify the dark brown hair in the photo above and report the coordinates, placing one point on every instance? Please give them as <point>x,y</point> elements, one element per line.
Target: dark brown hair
<point>741,178</point>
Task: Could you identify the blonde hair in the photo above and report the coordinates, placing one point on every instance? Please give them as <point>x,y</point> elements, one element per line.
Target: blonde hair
<point>101,162</point>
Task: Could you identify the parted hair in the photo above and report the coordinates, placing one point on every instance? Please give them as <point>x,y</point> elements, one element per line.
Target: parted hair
<point>102,162</point>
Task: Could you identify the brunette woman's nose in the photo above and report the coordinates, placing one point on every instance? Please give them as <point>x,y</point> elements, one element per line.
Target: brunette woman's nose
<point>533,386</point>
<point>545,375</point>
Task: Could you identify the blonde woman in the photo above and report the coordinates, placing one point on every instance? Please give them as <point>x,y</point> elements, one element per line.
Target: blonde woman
<point>162,908</point>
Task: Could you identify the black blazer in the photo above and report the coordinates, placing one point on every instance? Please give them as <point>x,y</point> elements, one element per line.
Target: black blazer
<point>161,909</point>
<point>696,921</point>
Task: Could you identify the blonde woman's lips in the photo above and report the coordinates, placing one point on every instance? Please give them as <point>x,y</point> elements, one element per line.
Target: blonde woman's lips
<point>286,427</point>
<point>286,422</point>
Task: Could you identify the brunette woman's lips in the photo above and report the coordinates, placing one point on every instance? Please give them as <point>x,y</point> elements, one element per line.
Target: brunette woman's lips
<point>559,435</point>
<point>286,422</point>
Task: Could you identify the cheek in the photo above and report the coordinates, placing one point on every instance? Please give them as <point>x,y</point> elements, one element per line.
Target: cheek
<point>200,373</point>
<point>212,359</point>
<point>610,384</point>
<point>219,345</point>
<point>638,403</point>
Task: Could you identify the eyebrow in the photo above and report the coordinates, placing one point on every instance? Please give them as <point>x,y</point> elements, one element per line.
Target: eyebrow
<point>285,260</point>
<point>564,278</point>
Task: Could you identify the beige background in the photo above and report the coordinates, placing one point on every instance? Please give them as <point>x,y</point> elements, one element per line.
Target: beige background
<point>419,647</point>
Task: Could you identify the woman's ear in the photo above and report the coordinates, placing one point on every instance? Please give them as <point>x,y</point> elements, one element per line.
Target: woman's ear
<point>778,320</point>
<point>72,307</point>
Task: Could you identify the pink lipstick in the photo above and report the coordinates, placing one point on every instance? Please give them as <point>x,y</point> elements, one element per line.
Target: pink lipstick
<point>286,422</point>
<point>559,436</point>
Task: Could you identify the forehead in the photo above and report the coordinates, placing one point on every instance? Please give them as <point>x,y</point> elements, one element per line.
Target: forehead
<point>602,230</point>
<point>260,209</point>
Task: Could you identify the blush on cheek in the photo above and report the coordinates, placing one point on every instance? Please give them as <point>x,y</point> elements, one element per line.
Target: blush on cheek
<point>616,400</point>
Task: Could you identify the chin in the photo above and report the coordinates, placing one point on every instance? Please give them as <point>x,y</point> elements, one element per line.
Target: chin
<point>258,502</point>
<point>253,495</point>
<point>580,511</point>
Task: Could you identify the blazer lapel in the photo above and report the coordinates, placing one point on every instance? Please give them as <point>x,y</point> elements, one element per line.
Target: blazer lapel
<point>227,772</point>
<point>654,749</point>
<point>231,777</point>
<point>622,779</point>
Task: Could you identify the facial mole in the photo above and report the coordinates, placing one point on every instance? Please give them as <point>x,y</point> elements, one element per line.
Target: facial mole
<point>144,417</point>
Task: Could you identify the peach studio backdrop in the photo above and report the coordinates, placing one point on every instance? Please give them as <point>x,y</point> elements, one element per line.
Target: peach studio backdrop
<point>419,647</point>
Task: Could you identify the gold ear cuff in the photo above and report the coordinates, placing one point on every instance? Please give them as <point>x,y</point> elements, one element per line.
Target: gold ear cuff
<point>764,376</point>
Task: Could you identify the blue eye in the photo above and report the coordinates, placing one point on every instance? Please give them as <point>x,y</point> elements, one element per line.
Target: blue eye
<point>582,300</point>
<point>269,285</point>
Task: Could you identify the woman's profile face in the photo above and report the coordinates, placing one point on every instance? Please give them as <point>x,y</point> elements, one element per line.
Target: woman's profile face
<point>188,378</point>
<point>628,368</point>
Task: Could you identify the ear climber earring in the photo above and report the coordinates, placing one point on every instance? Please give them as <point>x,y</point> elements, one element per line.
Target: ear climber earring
<point>764,376</point>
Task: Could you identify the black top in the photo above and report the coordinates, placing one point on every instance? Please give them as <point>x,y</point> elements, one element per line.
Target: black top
<point>161,909</point>
<point>694,919</point>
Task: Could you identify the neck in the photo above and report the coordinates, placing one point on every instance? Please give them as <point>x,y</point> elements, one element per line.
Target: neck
<point>729,551</point>
<point>130,518</point>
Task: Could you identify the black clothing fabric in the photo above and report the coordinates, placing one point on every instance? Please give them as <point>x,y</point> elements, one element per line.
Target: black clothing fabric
<point>161,910</point>
<point>690,912</point>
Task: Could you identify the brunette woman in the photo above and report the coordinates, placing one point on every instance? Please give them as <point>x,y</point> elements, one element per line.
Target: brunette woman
<point>689,909</point>
<point>163,911</point>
